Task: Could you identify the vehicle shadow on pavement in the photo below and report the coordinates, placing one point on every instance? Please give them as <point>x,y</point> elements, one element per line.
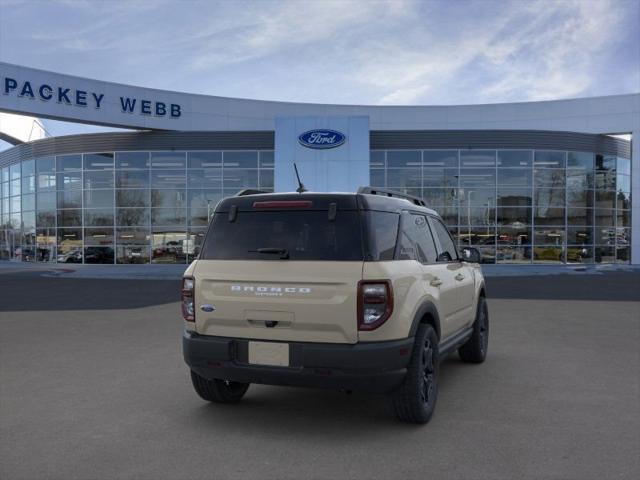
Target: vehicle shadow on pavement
<point>291,411</point>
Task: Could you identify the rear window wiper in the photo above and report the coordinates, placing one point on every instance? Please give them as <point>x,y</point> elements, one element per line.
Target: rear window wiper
<point>283,252</point>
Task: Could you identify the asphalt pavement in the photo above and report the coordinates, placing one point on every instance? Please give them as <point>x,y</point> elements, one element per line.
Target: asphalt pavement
<point>93,386</point>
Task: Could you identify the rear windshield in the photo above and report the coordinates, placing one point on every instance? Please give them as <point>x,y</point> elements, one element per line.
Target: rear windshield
<point>292,235</point>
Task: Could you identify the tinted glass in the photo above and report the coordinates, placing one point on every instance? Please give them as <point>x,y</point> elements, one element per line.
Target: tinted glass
<point>132,216</point>
<point>70,180</point>
<point>514,196</point>
<point>98,179</point>
<point>439,177</point>
<point>381,231</point>
<point>514,176</point>
<point>132,198</point>
<point>46,181</point>
<point>580,160</point>
<point>133,236</point>
<point>69,162</point>
<point>205,178</point>
<point>514,158</point>
<point>404,177</point>
<point>98,161</point>
<point>623,183</point>
<point>98,254</point>
<point>240,159</point>
<point>404,158</point>
<point>46,218</point>
<point>168,198</point>
<point>132,160</point>
<point>477,177</point>
<point>98,236</point>
<point>305,235</point>
<point>46,201</point>
<point>29,201</point>
<point>43,165</point>
<point>579,178</point>
<point>376,159</point>
<point>266,179</point>
<point>70,218</point>
<point>266,159</point>
<point>98,217</point>
<point>168,179</point>
<point>28,167</point>
<point>477,158</point>
<point>448,249</point>
<point>204,159</point>
<point>440,158</point>
<point>132,179</point>
<point>98,199</point>
<point>240,178</point>
<point>69,199</point>
<point>425,246</point>
<point>553,178</point>
<point>168,159</point>
<point>549,159</point>
<point>169,217</point>
<point>624,166</point>
<point>605,163</point>
<point>28,184</point>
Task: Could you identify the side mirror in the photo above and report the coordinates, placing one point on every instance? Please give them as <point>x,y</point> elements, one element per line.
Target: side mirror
<point>471,255</point>
<point>444,257</point>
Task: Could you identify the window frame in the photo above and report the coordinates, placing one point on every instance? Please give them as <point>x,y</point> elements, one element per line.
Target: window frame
<point>404,216</point>
<point>436,239</point>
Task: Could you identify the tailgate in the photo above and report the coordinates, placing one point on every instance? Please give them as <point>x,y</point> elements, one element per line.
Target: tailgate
<point>305,301</point>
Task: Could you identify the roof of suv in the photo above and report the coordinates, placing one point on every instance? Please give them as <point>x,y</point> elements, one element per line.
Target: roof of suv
<point>322,201</point>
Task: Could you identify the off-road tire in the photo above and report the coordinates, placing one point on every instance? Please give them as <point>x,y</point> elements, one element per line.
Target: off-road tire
<point>218,391</point>
<point>415,400</point>
<point>475,349</point>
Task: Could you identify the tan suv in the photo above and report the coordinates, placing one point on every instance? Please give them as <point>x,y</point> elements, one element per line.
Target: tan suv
<point>361,291</point>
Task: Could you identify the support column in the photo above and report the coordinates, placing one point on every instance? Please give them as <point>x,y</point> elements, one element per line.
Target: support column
<point>635,197</point>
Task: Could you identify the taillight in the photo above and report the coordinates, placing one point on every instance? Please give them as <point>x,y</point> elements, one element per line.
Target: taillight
<point>375,303</point>
<point>188,308</point>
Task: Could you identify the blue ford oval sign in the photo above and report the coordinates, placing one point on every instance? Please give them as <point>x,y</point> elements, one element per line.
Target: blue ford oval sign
<point>322,138</point>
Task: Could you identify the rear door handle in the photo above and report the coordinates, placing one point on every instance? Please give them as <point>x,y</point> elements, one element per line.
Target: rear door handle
<point>436,282</point>
<point>459,277</point>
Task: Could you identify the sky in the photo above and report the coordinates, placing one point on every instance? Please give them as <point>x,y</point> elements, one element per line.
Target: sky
<point>395,52</point>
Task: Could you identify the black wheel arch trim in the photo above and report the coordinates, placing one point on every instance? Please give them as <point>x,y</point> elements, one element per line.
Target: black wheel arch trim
<point>482,291</point>
<point>427,308</point>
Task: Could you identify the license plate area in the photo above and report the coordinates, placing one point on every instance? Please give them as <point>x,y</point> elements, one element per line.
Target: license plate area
<point>269,353</point>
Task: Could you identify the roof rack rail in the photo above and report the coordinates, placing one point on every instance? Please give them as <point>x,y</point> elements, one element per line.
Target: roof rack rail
<point>390,193</point>
<point>249,191</point>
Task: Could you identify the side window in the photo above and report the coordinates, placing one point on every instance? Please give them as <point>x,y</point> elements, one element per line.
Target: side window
<point>448,250</point>
<point>381,232</point>
<point>416,242</point>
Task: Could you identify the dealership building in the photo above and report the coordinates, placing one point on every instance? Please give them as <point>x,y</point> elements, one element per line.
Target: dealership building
<point>537,182</point>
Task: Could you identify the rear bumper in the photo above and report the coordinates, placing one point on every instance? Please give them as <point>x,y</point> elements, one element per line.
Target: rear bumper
<point>370,367</point>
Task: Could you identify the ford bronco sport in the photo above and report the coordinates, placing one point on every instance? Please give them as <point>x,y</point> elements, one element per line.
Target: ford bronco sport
<point>363,292</point>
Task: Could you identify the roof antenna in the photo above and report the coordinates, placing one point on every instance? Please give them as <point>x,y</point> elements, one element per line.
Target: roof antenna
<point>300,188</point>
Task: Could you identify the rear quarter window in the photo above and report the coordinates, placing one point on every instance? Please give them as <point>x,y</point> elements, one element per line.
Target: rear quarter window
<point>381,233</point>
<point>304,234</point>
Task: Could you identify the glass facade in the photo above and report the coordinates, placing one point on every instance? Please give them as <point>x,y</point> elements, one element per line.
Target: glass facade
<point>520,206</point>
<point>120,207</point>
<point>515,206</point>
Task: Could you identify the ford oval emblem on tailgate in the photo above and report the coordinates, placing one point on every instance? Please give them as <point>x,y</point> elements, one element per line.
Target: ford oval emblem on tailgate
<point>207,308</point>
<point>322,138</point>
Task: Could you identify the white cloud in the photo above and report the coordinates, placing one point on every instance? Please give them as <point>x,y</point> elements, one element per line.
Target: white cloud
<point>386,52</point>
